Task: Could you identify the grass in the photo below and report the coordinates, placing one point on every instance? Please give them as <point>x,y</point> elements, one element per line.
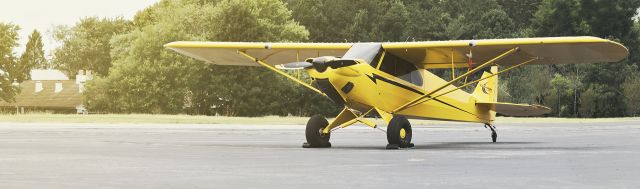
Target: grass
<point>147,118</point>
<point>268,120</point>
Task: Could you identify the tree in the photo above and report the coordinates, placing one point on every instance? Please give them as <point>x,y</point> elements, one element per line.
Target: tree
<point>607,19</point>
<point>146,78</point>
<point>322,25</point>
<point>8,41</point>
<point>152,79</point>
<point>485,19</point>
<point>521,11</point>
<point>394,22</point>
<point>33,57</point>
<point>630,89</point>
<point>560,18</point>
<point>86,45</point>
<point>529,84</point>
<point>352,20</point>
<point>427,20</point>
<point>588,99</point>
<point>561,90</point>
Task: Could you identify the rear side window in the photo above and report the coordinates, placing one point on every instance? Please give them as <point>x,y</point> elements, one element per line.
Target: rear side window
<point>401,68</point>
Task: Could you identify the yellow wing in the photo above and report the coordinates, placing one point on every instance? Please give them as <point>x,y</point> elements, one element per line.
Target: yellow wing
<point>226,53</point>
<point>517,110</point>
<point>552,50</point>
<point>433,54</point>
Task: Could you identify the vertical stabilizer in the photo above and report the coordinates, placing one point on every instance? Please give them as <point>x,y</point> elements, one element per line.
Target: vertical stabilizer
<point>487,90</point>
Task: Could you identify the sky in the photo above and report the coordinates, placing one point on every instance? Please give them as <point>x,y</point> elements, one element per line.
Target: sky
<point>43,15</point>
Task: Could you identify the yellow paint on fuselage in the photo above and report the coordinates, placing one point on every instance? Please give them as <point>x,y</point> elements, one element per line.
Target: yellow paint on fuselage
<point>384,93</point>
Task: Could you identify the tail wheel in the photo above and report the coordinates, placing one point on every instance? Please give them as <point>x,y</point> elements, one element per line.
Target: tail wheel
<point>315,137</point>
<point>494,136</point>
<point>399,132</point>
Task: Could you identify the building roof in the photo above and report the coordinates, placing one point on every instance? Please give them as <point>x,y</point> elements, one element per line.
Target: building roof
<point>68,98</point>
<point>48,75</point>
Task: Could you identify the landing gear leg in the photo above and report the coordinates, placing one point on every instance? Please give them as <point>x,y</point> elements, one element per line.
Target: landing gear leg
<point>494,134</point>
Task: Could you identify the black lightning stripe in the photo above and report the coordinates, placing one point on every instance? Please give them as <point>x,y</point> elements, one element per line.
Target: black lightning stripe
<point>375,77</point>
<point>453,106</point>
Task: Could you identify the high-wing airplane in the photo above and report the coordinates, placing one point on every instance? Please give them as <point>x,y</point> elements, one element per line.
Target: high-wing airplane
<point>392,80</point>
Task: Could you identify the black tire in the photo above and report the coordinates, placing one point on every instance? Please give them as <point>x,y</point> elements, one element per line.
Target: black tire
<point>394,130</point>
<point>315,137</point>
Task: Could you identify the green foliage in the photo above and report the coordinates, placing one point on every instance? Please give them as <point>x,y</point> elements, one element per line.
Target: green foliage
<point>608,19</point>
<point>8,41</point>
<point>314,15</point>
<point>520,11</point>
<point>631,91</point>
<point>560,18</point>
<point>427,21</point>
<point>594,101</point>
<point>394,22</point>
<point>561,92</point>
<point>485,19</point>
<point>32,58</point>
<point>151,79</point>
<point>86,45</point>
<point>266,20</point>
<point>528,84</point>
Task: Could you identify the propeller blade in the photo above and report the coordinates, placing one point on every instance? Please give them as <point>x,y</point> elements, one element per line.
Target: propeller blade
<point>295,66</point>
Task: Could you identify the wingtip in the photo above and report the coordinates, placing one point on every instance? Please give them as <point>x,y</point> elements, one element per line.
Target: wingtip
<point>625,51</point>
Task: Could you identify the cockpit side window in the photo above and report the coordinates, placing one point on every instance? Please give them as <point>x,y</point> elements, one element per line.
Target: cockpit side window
<point>401,68</point>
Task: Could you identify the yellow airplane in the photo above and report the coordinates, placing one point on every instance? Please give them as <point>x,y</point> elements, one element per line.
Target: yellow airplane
<point>392,81</point>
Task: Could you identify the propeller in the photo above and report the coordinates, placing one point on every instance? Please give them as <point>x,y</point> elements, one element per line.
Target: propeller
<point>320,64</point>
<point>295,66</point>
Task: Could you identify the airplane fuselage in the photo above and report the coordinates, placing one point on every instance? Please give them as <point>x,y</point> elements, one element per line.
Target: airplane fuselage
<point>362,87</point>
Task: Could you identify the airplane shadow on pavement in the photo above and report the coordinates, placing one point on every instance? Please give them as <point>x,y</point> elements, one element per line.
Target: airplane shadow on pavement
<point>501,146</point>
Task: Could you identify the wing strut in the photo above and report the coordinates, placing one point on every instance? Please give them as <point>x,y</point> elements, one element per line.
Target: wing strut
<point>281,72</point>
<point>467,84</point>
<point>453,67</point>
<point>492,61</point>
<point>347,118</point>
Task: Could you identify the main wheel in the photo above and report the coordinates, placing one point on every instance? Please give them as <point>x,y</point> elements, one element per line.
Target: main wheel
<point>399,132</point>
<point>315,137</point>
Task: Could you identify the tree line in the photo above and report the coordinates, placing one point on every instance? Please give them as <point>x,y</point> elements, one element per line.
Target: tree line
<point>15,68</point>
<point>135,74</point>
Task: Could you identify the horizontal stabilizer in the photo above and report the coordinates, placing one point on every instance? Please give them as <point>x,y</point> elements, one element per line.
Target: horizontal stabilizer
<point>517,110</point>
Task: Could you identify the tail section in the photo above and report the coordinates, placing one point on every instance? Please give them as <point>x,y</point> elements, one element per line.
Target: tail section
<point>487,89</point>
<point>486,94</point>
